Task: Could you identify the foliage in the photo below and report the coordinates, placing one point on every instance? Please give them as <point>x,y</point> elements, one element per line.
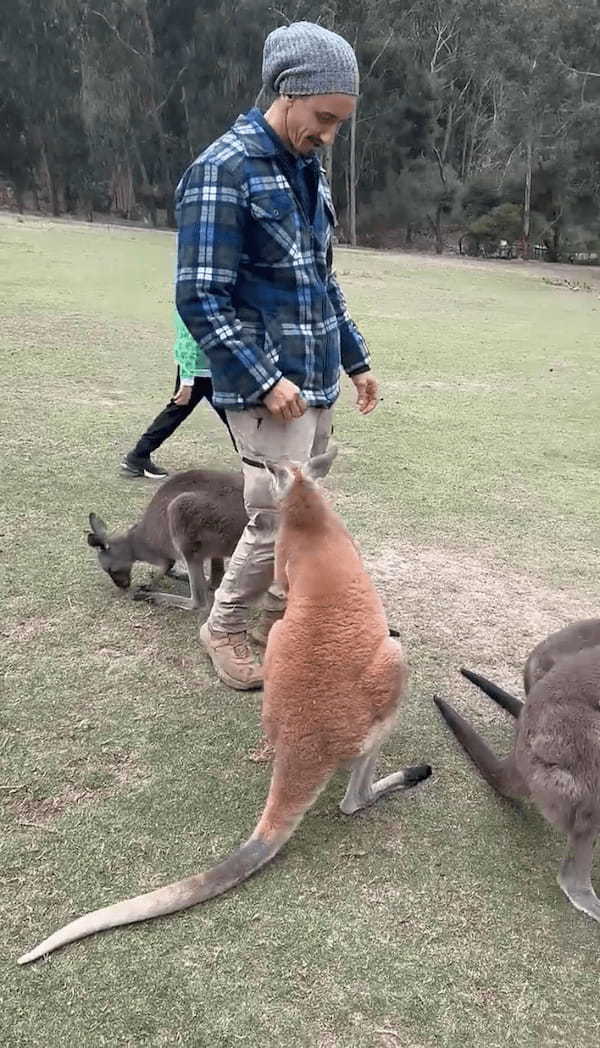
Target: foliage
<point>465,106</point>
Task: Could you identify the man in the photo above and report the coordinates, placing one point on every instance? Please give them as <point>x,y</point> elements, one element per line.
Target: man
<point>256,290</point>
<point>192,384</point>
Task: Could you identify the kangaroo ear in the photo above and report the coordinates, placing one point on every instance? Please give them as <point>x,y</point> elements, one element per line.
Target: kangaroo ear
<point>282,478</point>
<point>94,541</point>
<point>318,467</point>
<point>98,536</point>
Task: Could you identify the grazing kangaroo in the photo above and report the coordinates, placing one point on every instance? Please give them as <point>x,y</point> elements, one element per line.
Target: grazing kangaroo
<point>333,681</point>
<point>192,517</point>
<point>555,759</point>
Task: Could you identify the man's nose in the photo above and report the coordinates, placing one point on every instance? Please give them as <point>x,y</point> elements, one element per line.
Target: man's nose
<point>328,137</point>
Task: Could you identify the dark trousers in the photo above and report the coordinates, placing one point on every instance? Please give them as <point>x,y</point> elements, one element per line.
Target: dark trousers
<point>174,414</point>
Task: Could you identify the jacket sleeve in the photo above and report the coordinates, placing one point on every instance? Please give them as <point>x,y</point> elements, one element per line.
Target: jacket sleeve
<point>211,212</point>
<point>354,352</point>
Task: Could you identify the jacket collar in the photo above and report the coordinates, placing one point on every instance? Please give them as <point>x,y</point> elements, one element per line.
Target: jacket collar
<point>258,142</point>
<point>254,138</point>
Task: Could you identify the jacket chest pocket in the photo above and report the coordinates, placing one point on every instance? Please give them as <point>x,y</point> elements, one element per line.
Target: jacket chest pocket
<point>273,228</point>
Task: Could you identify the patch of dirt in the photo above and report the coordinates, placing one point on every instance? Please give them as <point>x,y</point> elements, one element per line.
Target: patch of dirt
<point>99,402</point>
<point>41,812</point>
<point>124,768</point>
<point>470,608</point>
<point>435,386</point>
<point>570,285</point>
<point>263,754</point>
<point>26,629</point>
<point>148,652</point>
<point>127,768</point>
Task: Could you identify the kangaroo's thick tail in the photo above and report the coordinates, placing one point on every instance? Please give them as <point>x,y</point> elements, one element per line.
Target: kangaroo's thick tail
<point>277,824</point>
<point>501,774</point>
<point>508,702</point>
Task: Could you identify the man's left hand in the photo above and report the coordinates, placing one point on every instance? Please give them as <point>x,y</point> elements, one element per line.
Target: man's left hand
<point>367,391</point>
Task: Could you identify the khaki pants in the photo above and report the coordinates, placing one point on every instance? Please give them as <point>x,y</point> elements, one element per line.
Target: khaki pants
<point>250,573</point>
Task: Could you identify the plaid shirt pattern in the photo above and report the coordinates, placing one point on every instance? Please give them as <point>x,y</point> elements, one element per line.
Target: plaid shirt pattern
<point>255,285</point>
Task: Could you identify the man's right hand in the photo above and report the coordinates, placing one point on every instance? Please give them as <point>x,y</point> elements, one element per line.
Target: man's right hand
<point>285,401</point>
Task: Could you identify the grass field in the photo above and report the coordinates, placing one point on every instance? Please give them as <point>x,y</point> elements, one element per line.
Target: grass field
<point>432,920</point>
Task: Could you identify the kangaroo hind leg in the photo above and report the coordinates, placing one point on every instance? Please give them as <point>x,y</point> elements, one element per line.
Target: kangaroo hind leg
<point>363,789</point>
<point>198,599</point>
<point>575,877</point>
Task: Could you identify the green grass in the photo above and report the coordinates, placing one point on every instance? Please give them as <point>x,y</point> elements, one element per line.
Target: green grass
<point>433,920</point>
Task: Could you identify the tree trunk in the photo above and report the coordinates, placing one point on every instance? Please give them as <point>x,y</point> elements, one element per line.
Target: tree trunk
<point>170,207</point>
<point>448,133</point>
<point>352,185</point>
<point>19,191</point>
<point>188,129</point>
<point>527,201</point>
<point>556,241</point>
<point>439,240</point>
<point>51,182</point>
<point>463,162</point>
<point>140,161</point>
<point>165,174</point>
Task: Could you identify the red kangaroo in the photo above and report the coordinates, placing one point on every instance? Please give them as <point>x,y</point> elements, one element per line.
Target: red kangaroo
<point>333,681</point>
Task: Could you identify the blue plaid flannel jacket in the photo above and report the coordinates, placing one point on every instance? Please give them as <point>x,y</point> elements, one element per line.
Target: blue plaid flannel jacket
<point>254,280</point>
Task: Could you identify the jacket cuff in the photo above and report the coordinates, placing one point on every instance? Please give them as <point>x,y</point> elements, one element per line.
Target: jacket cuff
<point>359,369</point>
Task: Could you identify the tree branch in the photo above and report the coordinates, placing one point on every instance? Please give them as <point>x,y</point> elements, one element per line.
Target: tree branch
<point>114,29</point>
<point>172,88</point>
<point>380,55</point>
<point>276,11</point>
<point>440,164</point>
<point>580,72</point>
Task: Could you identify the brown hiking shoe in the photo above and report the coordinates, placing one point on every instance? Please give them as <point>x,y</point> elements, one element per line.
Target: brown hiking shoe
<point>259,633</point>
<point>232,659</point>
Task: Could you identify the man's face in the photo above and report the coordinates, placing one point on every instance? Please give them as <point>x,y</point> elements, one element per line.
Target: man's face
<point>313,121</point>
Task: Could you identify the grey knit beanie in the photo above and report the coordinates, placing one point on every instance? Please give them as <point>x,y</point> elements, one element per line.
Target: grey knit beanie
<point>306,59</point>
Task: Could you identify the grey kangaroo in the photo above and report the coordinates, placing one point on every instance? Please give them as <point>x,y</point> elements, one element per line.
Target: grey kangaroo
<point>194,516</point>
<point>555,760</point>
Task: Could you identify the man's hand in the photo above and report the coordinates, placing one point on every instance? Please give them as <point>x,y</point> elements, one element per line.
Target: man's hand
<point>183,396</point>
<point>285,401</point>
<point>367,392</point>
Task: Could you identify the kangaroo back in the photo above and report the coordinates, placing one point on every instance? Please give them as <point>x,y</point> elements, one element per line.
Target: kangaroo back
<point>567,641</point>
<point>217,494</point>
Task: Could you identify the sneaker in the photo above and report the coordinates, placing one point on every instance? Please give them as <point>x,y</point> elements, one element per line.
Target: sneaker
<point>232,659</point>
<point>143,467</point>
<point>260,633</point>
